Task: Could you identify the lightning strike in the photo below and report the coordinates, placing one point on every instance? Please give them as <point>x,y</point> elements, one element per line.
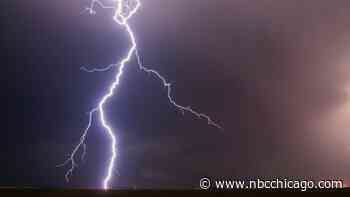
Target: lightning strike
<point>124,10</point>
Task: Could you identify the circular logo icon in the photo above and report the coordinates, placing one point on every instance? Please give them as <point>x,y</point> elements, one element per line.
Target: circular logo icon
<point>204,183</point>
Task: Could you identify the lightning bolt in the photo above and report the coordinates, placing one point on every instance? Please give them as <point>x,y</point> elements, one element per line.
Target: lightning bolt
<point>124,10</point>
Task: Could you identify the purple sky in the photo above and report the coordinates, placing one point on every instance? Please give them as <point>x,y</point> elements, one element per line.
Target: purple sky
<point>274,74</point>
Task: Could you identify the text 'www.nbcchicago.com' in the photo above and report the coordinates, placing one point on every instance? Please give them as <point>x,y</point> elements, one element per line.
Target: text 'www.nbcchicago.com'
<point>301,185</point>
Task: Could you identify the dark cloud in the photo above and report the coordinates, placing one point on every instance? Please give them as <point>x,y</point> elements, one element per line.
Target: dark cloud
<point>274,74</point>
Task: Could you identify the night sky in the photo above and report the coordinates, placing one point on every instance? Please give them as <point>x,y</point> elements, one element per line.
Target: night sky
<point>274,74</point>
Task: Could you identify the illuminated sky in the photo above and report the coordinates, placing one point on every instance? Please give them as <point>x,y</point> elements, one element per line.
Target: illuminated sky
<point>274,74</point>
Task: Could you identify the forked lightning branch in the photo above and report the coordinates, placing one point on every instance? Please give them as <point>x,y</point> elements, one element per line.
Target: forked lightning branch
<point>123,10</point>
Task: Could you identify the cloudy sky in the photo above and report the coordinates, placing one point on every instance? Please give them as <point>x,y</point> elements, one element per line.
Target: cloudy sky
<point>275,75</point>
